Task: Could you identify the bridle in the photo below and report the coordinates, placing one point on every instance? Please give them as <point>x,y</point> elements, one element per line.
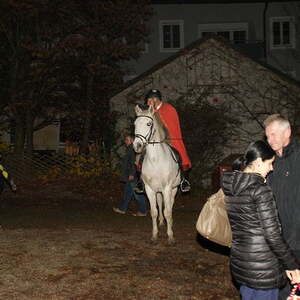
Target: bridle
<point>146,138</point>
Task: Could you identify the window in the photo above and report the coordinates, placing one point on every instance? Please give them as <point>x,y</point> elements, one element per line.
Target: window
<point>282,33</point>
<point>171,35</point>
<point>235,32</point>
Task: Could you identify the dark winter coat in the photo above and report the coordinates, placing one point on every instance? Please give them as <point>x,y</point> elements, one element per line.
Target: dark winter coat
<point>128,164</point>
<point>259,256</point>
<point>285,184</point>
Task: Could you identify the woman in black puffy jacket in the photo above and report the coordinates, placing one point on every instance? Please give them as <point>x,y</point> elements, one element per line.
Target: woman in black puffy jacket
<point>260,260</point>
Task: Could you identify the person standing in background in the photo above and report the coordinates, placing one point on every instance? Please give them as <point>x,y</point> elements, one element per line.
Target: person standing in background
<point>129,178</point>
<point>285,182</point>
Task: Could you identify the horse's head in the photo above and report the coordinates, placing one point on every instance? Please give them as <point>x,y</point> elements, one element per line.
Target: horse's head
<point>143,127</point>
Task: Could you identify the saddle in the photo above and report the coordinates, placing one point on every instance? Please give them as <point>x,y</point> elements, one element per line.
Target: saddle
<point>175,154</point>
<point>177,157</point>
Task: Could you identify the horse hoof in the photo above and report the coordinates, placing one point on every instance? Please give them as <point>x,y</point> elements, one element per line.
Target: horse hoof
<point>154,240</point>
<point>161,223</point>
<point>171,241</point>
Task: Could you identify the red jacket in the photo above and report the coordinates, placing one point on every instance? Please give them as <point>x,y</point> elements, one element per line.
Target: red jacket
<point>170,119</point>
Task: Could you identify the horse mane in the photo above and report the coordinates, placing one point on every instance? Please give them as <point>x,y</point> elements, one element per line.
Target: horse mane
<point>156,117</point>
<point>161,124</point>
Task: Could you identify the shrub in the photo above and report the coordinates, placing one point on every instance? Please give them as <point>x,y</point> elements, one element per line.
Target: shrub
<point>206,130</point>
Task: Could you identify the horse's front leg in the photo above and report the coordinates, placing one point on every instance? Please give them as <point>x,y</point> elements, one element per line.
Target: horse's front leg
<point>152,200</point>
<point>159,199</point>
<point>169,196</point>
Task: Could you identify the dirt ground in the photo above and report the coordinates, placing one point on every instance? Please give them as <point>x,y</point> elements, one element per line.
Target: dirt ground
<point>62,241</point>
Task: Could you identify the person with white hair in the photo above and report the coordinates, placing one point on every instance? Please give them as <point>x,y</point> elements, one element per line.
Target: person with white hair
<point>285,182</point>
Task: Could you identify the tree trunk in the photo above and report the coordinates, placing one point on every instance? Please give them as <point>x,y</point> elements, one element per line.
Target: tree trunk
<point>84,141</point>
<point>19,135</point>
<point>29,132</point>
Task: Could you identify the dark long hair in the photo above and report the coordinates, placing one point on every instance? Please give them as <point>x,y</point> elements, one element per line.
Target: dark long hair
<point>258,149</point>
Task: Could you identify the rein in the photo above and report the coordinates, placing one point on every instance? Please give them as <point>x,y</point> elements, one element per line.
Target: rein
<point>146,139</point>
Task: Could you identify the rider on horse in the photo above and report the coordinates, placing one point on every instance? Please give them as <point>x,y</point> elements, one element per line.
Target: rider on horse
<point>170,120</point>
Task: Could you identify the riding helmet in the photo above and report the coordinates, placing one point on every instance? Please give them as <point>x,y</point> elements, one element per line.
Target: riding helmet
<point>153,94</point>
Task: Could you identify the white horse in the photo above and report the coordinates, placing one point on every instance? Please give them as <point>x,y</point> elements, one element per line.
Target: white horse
<point>160,169</point>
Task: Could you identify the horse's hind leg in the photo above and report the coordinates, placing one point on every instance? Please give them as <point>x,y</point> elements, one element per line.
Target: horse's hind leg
<point>152,199</point>
<point>160,211</point>
<point>169,196</point>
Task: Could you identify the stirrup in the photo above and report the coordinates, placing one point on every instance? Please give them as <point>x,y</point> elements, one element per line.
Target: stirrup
<point>185,186</point>
<point>139,188</point>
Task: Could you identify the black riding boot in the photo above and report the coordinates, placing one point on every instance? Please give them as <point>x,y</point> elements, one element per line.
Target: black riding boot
<point>185,186</point>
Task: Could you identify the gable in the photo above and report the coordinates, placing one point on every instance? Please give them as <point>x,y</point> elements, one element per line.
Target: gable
<point>205,64</point>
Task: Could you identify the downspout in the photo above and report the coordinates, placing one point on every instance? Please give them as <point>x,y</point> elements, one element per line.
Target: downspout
<point>265,30</point>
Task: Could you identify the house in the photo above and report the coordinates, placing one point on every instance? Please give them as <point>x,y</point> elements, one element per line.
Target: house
<point>243,54</point>
<point>44,139</point>
<point>216,71</point>
<point>267,30</point>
